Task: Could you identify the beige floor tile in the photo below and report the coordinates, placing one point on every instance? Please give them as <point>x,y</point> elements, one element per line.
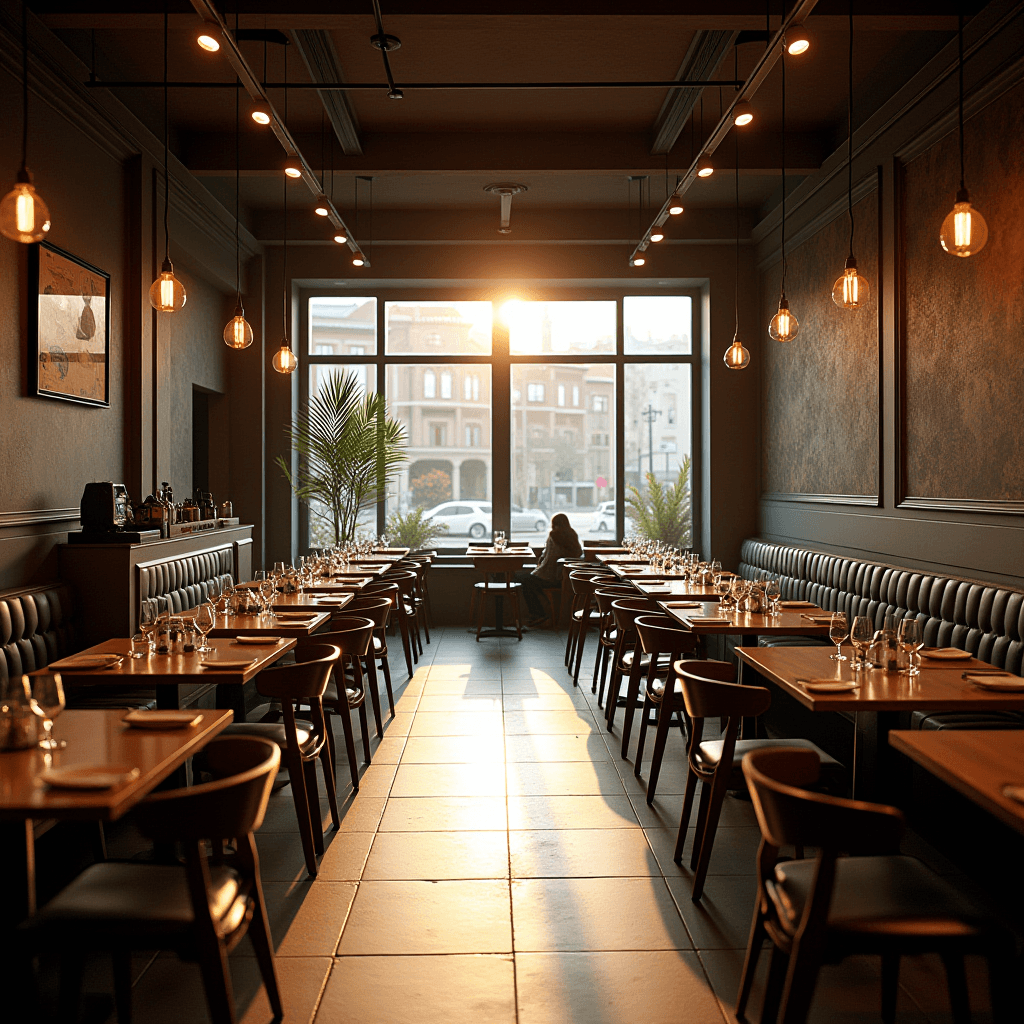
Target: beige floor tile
<point>420,990</point>
<point>663,987</point>
<point>428,917</point>
<point>452,749</point>
<point>734,852</point>
<point>571,914</point>
<point>444,814</point>
<point>316,926</point>
<point>556,748</point>
<point>462,688</point>
<point>569,812</point>
<point>446,702</point>
<point>526,683</point>
<point>436,855</point>
<point>362,813</point>
<point>386,751</point>
<point>544,701</point>
<point>581,853</point>
<point>450,780</point>
<point>562,778</point>
<point>345,856</point>
<point>409,700</point>
<point>550,723</point>
<point>458,723</point>
<point>721,918</point>
<point>458,670</point>
<point>376,779</point>
<point>281,857</point>
<point>397,726</point>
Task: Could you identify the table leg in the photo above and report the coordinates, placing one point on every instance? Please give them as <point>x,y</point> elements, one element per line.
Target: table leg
<point>853,759</point>
<point>231,698</point>
<point>17,863</point>
<point>168,696</point>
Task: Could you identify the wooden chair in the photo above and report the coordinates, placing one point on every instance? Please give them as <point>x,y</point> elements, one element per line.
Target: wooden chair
<point>858,896</point>
<point>378,609</point>
<point>418,600</point>
<point>664,641</point>
<point>423,561</point>
<point>353,636</point>
<point>496,565</point>
<point>626,656</point>
<point>200,909</point>
<point>709,690</point>
<point>565,595</point>
<point>584,572</point>
<point>406,581</point>
<point>397,616</point>
<point>302,742</point>
<point>584,583</point>
<point>606,634</point>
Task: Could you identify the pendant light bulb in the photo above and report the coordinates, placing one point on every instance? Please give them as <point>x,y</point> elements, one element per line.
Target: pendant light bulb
<point>736,356</point>
<point>206,37</point>
<point>322,208</point>
<point>292,169</point>
<point>260,113</point>
<point>851,290</point>
<point>341,239</point>
<point>675,210</point>
<point>963,233</point>
<point>358,261</point>
<point>783,326</point>
<point>167,293</point>
<point>23,214</point>
<point>797,41</point>
<point>284,360</point>
<point>637,261</point>
<point>657,236</point>
<point>238,332</point>
<point>705,168</point>
<point>742,114</point>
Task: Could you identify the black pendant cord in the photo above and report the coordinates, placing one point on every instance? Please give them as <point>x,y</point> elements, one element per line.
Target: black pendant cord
<point>167,174</point>
<point>24,84</point>
<point>736,147</point>
<point>849,127</point>
<point>284,267</point>
<point>784,264</point>
<point>960,92</point>
<point>238,180</point>
<point>382,35</point>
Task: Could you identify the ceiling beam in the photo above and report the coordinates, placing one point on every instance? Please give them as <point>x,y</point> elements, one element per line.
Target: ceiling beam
<point>702,60</point>
<point>317,50</point>
<point>251,83</point>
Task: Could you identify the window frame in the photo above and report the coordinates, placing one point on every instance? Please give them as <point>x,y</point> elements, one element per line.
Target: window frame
<point>501,361</point>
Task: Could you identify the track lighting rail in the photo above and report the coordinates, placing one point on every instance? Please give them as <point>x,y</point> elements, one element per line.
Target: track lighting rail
<point>744,93</point>
<point>208,12</point>
<point>698,83</point>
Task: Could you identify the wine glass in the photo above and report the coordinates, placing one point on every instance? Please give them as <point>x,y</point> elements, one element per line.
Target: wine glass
<point>911,640</point>
<point>862,633</point>
<point>268,590</point>
<point>149,612</point>
<point>773,592</point>
<point>48,702</point>
<point>205,619</point>
<point>837,633</point>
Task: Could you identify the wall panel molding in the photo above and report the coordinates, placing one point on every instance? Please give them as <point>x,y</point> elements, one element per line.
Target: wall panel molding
<point>863,500</point>
<point>38,517</point>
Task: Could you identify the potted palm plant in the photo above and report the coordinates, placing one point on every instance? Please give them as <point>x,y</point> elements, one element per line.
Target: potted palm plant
<point>347,449</point>
<point>412,530</point>
<point>662,512</point>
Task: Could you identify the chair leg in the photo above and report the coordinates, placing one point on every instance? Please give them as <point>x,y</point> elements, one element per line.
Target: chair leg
<point>707,838</point>
<point>327,763</point>
<point>773,989</point>
<point>597,656</point>
<point>753,954</point>
<point>891,984</point>
<point>403,628</point>
<point>123,985</point>
<point>370,677</point>
<point>684,819</point>
<point>658,753</point>
<point>344,712</point>
<point>297,778</point>
<point>801,977</point>
<point>642,735</point>
<point>365,728</point>
<point>213,962</point>
<point>259,935</point>
<point>514,595</point>
<point>580,644</point>
<point>632,693</point>
<point>702,813</point>
<point>481,611</point>
<point>313,801</point>
<point>956,979</point>
<point>386,669</point>
<point>572,631</point>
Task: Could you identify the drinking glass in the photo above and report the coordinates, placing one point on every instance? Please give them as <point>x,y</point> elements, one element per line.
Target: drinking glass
<point>205,619</point>
<point>140,647</point>
<point>911,640</point>
<point>149,612</point>
<point>268,590</point>
<point>862,632</point>
<point>773,592</point>
<point>837,633</point>
<point>48,702</point>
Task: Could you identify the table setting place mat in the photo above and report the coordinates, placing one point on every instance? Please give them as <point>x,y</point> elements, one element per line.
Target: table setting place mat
<point>795,604</point>
<point>1015,793</point>
<point>91,776</point>
<point>819,620</point>
<point>226,663</point>
<point>330,600</point>
<point>708,618</point>
<point>945,653</point>
<point>296,616</point>
<point>680,604</point>
<point>84,661</point>
<point>828,685</point>
<point>266,641</point>
<point>161,718</point>
<point>1002,682</point>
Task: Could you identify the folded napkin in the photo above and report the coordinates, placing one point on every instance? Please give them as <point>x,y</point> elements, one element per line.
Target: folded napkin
<point>681,604</point>
<point>225,663</point>
<point>84,661</point>
<point>160,718</point>
<point>818,620</point>
<point>709,618</point>
<point>946,653</point>
<point>1005,682</point>
<point>295,616</point>
<point>796,604</point>
<point>828,685</point>
<point>266,641</point>
<point>91,776</point>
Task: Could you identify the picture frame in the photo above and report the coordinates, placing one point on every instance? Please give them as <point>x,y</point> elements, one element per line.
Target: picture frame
<point>68,328</point>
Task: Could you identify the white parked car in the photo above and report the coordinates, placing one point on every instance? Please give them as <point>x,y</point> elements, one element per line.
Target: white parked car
<point>529,520</point>
<point>463,517</point>
<point>604,518</point>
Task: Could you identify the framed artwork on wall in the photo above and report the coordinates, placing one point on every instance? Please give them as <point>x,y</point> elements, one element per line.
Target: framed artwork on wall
<point>68,327</point>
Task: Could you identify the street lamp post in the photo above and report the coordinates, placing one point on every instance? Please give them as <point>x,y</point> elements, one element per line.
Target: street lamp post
<point>649,415</point>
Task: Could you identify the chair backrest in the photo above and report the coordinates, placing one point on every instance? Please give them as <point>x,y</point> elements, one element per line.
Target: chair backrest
<point>376,608</point>
<point>584,582</point>
<point>788,814</point>
<point>351,634</point>
<point>380,590</point>
<point>306,679</point>
<point>231,806</point>
<point>404,579</point>
<point>661,634</point>
<point>496,565</point>
<point>625,611</point>
<point>710,690</point>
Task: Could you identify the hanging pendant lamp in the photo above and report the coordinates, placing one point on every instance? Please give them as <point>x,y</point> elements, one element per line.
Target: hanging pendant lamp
<point>783,326</point>
<point>736,356</point>
<point>166,294</point>
<point>964,231</point>
<point>238,332</point>
<point>284,360</point>
<point>23,214</point>
<point>851,289</point>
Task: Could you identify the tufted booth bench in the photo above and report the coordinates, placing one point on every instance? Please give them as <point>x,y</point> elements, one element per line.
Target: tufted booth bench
<point>37,626</point>
<point>982,618</point>
<point>183,582</point>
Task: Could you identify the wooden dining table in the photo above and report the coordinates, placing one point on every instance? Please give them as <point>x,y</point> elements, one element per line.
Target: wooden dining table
<point>92,738</point>
<point>317,602</point>
<point>978,763</point>
<point>513,558</point>
<point>168,674</point>
<point>272,625</point>
<point>882,701</point>
<point>748,625</point>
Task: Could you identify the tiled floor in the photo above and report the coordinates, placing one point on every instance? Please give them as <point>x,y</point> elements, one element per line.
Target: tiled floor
<point>500,864</point>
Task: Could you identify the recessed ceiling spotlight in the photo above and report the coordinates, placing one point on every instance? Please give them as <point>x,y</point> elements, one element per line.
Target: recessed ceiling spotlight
<point>260,113</point>
<point>341,239</point>
<point>322,208</point>
<point>657,236</point>
<point>742,114</point>
<point>675,210</point>
<point>637,261</point>
<point>206,37</point>
<point>705,168</point>
<point>358,260</point>
<point>292,169</point>
<point>797,41</point>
